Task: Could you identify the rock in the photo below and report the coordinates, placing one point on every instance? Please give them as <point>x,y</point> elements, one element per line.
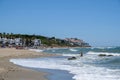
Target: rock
<point>109,55</point>
<point>72,58</point>
<point>104,55</point>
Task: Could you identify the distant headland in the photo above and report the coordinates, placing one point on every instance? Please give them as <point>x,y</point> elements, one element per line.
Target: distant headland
<point>35,41</point>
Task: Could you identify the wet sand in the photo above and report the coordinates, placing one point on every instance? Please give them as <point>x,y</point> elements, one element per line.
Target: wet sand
<point>10,71</point>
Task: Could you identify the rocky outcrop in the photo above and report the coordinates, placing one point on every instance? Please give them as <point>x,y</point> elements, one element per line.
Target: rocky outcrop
<point>102,55</point>
<point>72,58</point>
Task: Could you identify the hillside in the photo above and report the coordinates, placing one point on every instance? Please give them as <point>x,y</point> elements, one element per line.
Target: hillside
<point>30,40</point>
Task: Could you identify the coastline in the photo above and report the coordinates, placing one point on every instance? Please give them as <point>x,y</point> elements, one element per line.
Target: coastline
<point>10,71</point>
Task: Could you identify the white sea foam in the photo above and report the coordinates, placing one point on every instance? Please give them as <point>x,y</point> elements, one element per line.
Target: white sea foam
<point>106,53</point>
<point>80,70</point>
<point>102,47</point>
<point>36,50</point>
<point>70,54</point>
<point>74,50</point>
<point>98,47</point>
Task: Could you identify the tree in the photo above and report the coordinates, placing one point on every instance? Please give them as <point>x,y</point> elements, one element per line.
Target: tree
<point>4,34</point>
<point>0,34</point>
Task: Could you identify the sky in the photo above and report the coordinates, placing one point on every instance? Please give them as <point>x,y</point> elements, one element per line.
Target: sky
<point>95,21</point>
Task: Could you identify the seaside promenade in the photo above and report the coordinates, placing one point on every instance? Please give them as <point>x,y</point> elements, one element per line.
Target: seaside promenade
<point>10,71</point>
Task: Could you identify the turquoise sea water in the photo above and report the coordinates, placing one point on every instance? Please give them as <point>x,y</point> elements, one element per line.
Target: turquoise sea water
<point>89,67</point>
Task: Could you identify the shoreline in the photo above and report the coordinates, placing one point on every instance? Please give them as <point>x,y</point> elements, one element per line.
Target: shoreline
<point>10,71</point>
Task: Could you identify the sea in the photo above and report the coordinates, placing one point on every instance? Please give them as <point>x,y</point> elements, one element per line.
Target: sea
<point>97,63</point>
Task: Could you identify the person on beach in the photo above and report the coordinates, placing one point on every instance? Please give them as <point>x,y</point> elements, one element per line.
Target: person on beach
<point>81,54</point>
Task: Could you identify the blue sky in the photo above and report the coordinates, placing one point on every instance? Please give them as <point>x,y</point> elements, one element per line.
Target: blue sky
<point>95,21</point>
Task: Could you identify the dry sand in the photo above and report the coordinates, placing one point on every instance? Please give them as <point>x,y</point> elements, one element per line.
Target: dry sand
<point>10,71</point>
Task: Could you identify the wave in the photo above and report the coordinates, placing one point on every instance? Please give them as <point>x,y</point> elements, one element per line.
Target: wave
<point>105,47</point>
<point>36,50</point>
<point>74,50</point>
<point>70,54</point>
<point>81,71</point>
<point>106,53</point>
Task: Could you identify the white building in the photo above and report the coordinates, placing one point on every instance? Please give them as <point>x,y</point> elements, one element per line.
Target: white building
<point>4,40</point>
<point>18,41</point>
<point>75,41</point>
<point>37,42</point>
<point>11,41</point>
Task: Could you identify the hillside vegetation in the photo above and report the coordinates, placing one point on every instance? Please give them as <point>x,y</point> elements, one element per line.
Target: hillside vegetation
<point>45,41</point>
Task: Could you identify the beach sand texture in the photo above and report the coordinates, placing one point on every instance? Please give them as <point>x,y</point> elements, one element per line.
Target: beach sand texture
<point>10,71</point>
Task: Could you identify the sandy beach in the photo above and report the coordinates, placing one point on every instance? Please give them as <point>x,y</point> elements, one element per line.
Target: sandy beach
<point>10,71</point>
